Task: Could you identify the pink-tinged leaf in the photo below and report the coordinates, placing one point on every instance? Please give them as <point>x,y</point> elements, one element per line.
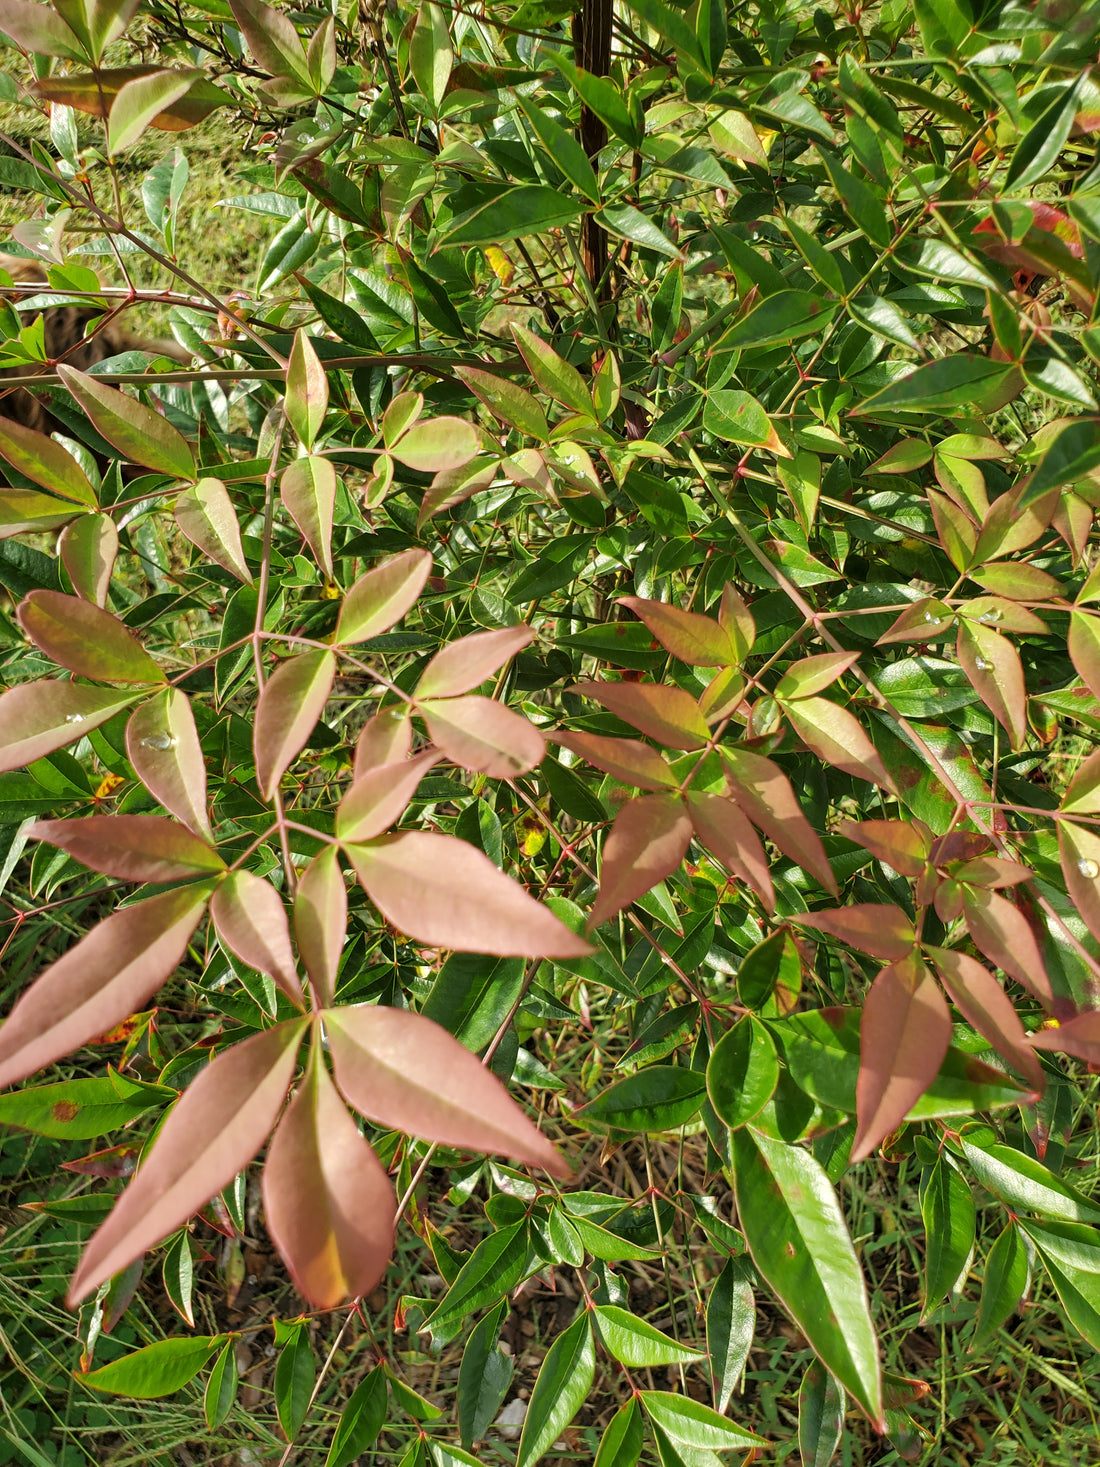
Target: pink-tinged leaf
<point>205,514</point>
<point>36,28</point>
<point>883,931</point>
<point>452,486</point>
<point>465,664</point>
<point>23,511</point>
<point>555,376</point>
<point>382,596</point>
<point>162,744</point>
<point>401,414</point>
<point>927,620</point>
<point>483,736</point>
<point>1083,795</point>
<point>215,1129</point>
<point>993,669</point>
<point>737,621</point>
<point>689,636</point>
<point>628,760</point>
<point>1003,933</point>
<point>443,892</point>
<point>764,793</point>
<point>272,39</point>
<point>402,1070</point>
<point>814,674</point>
<point>379,797</point>
<point>436,444</point>
<point>328,1202</point>
<point>647,842</point>
<point>992,871</point>
<point>903,1037</point>
<point>306,390</point>
<point>985,1005</point>
<point>836,736</point>
<point>250,920</point>
<point>512,404</point>
<point>723,695</point>
<point>308,491</point>
<point>386,738</point>
<point>85,639</point>
<point>132,847</point>
<point>44,461</point>
<point>321,921</point>
<point>1079,1036</point>
<point>1084,648</point>
<point>1079,847</point>
<point>141,434</point>
<point>37,718</point>
<point>902,845</point>
<point>666,714</point>
<point>88,547</point>
<point>292,701</point>
<point>106,977</point>
<point>724,829</point>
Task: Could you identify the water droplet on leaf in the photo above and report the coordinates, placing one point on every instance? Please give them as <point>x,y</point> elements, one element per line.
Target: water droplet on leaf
<point>158,741</point>
<point>1088,869</point>
<point>74,718</point>
<point>983,664</point>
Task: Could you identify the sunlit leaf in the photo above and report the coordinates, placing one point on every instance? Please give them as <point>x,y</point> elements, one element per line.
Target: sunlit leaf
<point>251,922</point>
<point>292,701</point>
<point>86,639</point>
<point>139,433</point>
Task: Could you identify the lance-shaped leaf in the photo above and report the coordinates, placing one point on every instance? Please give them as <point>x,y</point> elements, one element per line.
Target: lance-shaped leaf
<point>382,596</point>
<point>386,738</point>
<point>836,736</point>
<point>158,1370</point>
<point>308,491</point>
<point>132,847</point>
<point>430,55</point>
<point>306,390</point>
<point>139,433</point>
<point>512,404</point>
<point>272,39</point>
<point>36,28</point>
<point>403,1070</point>
<point>137,103</point>
<point>86,639</point>
<point>564,1381</point>
<point>321,921</point>
<point>214,1131</point>
<point>483,735</point>
<point>647,842</point>
<point>88,547</point>
<point>814,674</point>
<point>1004,1284</point>
<point>900,844</point>
<point>328,1202</point>
<point>985,1005</point>
<point>1080,850</point>
<point>379,797</point>
<point>37,718</point>
<point>948,1212</point>
<point>883,931</point>
<point>628,760</point>
<point>205,514</point>
<point>162,744</point>
<point>800,1244</point>
<point>434,445</point>
<point>764,793</point>
<point>1079,1036</point>
<point>695,1425</point>
<point>666,714</point>
<point>446,893</point>
<point>464,665</point>
<point>992,665</point>
<point>292,701</point>
<point>251,921</point>
<point>636,1343</point>
<point>1082,797</point>
<point>23,510</point>
<point>106,977</point>
<point>1027,1185</point>
<point>553,374</point>
<point>903,1037</point>
<point>1084,648</point>
<point>1002,932</point>
<point>926,620</point>
<point>689,636</point>
<point>725,830</point>
<point>40,458</point>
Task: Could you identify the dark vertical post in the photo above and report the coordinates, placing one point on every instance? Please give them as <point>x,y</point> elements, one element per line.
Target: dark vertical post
<point>592,50</point>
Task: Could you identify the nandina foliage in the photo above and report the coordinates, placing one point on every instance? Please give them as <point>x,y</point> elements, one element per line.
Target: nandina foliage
<point>635,536</point>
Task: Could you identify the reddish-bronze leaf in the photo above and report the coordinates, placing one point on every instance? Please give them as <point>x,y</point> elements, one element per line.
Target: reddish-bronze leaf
<point>1083,795</point>
<point>446,893</point>
<point>1079,1036</point>
<point>725,830</point>
<point>464,665</point>
<point>483,735</point>
<point>132,847</point>
<point>927,620</point>
<point>205,514</point>
<point>251,921</point>
<point>883,931</point>
<point>328,1202</point>
<point>106,977</point>
<point>900,844</point>
<point>86,639</point>
<point>1084,648</point>
<point>836,736</point>
<point>1080,851</point>
<point>308,491</point>
<point>375,801</point>
<point>647,842</point>
<point>386,738</point>
<point>764,793</point>
<point>162,744</point>
<point>736,620</point>
<point>993,668</point>
<point>88,547</point>
<point>983,1003</point>
<point>292,701</point>
<point>693,638</point>
<point>814,674</point>
<point>215,1129</point>
<point>382,596</point>
<point>137,431</point>
<point>991,871</point>
<point>626,759</point>
<point>321,921</point>
<point>37,718</point>
<point>666,714</point>
<point>903,1037</point>
<point>1002,932</point>
<point>402,1070</point>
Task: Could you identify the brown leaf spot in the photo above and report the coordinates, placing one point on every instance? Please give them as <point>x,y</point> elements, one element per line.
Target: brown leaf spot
<point>65,1110</point>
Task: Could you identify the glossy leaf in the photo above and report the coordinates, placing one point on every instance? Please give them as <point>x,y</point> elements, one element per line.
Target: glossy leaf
<point>156,1370</point>
<point>292,701</point>
<point>666,714</point>
<point>658,1098</point>
<point>138,102</point>
<point>694,1424</point>
<point>308,491</point>
<point>552,373</point>
<point>385,738</point>
<point>512,404</point>
<point>1002,933</point>
<point>731,1325</point>
<point>835,735</point>
<point>132,847</point>
<point>993,666</point>
<point>764,793</point>
<point>86,639</point>
<point>1004,1284</point>
<point>820,1416</point>
<point>382,596</point>
<point>378,798</point>
<point>206,516</point>
<point>163,746</point>
<point>1026,1185</point>
<point>983,1003</point>
<point>434,445</point>
<point>883,931</point>
<point>221,1388</point>
<point>43,460</point>
<point>621,1443</point>
<point>561,1389</point>
<point>628,760</point>
<point>360,1421</point>
<point>88,547</point>
<point>948,1211</point>
<point>483,735</point>
<point>140,434</point>
<point>483,1378</point>
<point>647,842</point>
<point>295,1377</point>
<point>742,1072</point>
<point>637,1344</point>
<point>692,638</point>
<point>306,394</point>
<point>465,664</point>
<point>725,831</point>
<point>321,921</point>
<point>250,920</point>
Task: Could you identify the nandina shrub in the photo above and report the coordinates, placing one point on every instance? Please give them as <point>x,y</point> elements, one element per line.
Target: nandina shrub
<point>613,586</point>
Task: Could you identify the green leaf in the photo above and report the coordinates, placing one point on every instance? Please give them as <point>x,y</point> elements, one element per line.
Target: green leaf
<point>820,1416</point>
<point>295,1373</point>
<point>430,55</point>
<point>563,148</point>
<point>799,1242</point>
<point>221,1388</point>
<point>637,1344</point>
<point>157,1370</point>
<point>564,1381</point>
<point>81,1109</point>
<point>786,316</point>
<point>731,1324</point>
<point>695,1425</point>
<point>1004,1284</point>
<point>1026,1185</point>
<point>306,390</point>
<point>659,1098</point>
<point>139,433</point>
<point>859,199</point>
<point>1039,148</point>
<point>742,1073</point>
<point>138,102</point>
<point>956,383</point>
<point>525,209</point>
<point>360,1421</point>
<point>947,1207</point>
<point>737,417</point>
<point>492,1270</point>
<point>483,1377</point>
<point>621,1443</point>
